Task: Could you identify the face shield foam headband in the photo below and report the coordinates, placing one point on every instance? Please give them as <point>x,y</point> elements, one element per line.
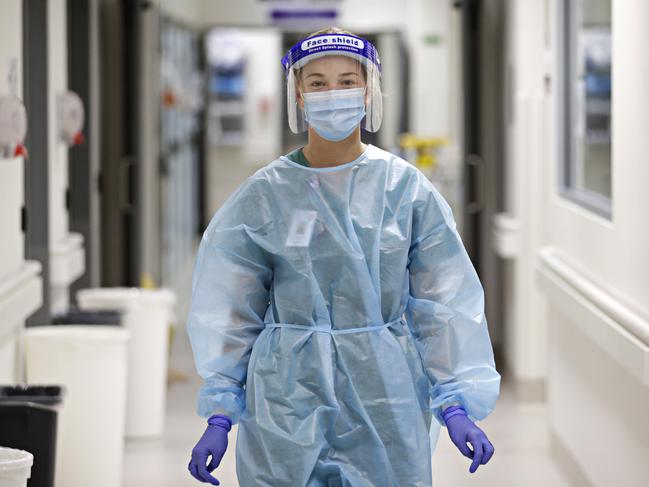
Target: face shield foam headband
<point>317,47</point>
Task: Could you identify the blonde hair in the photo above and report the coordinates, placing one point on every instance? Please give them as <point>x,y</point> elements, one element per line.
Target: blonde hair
<point>330,30</point>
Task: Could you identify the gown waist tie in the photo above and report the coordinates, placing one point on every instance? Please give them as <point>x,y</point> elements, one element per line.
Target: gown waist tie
<point>332,331</point>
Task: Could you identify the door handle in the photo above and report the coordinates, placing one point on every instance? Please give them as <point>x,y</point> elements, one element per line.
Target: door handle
<point>475,183</point>
<point>126,180</point>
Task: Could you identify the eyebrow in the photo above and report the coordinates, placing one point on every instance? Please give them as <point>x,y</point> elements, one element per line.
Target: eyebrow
<point>342,74</point>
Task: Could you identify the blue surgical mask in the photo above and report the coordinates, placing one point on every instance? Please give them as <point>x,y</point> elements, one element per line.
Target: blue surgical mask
<point>334,114</point>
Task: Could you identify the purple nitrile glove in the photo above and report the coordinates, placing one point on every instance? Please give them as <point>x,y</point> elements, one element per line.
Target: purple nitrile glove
<point>214,442</point>
<point>462,431</point>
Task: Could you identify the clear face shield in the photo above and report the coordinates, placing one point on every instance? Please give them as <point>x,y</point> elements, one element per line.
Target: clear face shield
<point>333,83</point>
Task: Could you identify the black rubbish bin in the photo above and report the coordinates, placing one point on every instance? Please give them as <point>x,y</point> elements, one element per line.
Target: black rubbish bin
<point>28,417</point>
<point>76,316</point>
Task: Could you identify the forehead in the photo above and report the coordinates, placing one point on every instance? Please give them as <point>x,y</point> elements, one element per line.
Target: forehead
<point>332,66</point>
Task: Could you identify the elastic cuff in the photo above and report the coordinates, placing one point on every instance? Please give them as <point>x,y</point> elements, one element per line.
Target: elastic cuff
<point>447,405</point>
<point>220,420</point>
<point>453,411</point>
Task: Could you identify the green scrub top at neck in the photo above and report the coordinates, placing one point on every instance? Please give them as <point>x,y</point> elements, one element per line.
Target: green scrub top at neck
<point>297,156</point>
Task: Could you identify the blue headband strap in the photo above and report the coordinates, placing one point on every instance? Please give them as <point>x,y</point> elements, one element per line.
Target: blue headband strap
<point>345,44</point>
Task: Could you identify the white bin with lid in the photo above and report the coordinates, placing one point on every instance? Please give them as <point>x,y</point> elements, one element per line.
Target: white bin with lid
<point>147,315</point>
<point>91,362</point>
<point>15,467</point>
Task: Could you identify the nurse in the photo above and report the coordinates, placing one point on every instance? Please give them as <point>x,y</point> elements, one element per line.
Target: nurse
<point>335,315</point>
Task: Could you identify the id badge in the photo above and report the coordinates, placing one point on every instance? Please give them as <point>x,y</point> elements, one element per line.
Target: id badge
<point>301,228</point>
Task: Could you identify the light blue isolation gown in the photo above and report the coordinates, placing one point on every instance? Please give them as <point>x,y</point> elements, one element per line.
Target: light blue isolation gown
<point>334,312</point>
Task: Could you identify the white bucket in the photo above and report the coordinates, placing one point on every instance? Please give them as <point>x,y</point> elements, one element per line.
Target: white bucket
<point>147,315</point>
<point>15,467</point>
<point>91,362</point>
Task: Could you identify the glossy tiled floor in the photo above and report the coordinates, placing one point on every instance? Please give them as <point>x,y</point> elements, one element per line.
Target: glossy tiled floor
<point>518,432</point>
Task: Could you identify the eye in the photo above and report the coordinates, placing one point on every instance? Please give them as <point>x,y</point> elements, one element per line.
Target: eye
<point>316,84</point>
<point>348,82</point>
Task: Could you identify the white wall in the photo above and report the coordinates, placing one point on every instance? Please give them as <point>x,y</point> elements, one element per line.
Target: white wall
<point>595,274</point>
<point>430,68</point>
<point>239,13</point>
<point>263,128</point>
<point>11,183</point>
<point>11,169</point>
<point>626,235</point>
<point>58,151</point>
<point>517,231</point>
<point>187,11</point>
<point>20,284</point>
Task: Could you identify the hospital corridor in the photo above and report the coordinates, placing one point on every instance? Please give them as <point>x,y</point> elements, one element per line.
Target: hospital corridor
<point>324,243</point>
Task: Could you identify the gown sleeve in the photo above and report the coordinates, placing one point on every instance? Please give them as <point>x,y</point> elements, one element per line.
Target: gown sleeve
<point>230,294</point>
<point>445,310</point>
